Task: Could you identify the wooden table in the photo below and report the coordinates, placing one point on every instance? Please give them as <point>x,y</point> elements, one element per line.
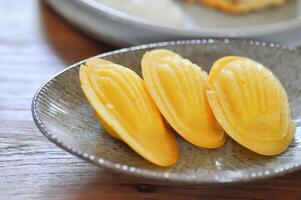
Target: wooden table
<point>35,44</point>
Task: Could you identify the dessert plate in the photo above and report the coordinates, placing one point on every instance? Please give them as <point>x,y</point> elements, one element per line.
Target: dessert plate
<point>281,25</point>
<point>62,113</point>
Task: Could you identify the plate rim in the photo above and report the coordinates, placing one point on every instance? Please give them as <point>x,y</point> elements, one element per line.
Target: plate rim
<point>150,174</point>
<point>251,31</point>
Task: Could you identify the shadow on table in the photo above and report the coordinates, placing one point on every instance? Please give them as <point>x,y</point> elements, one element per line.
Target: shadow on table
<point>109,185</point>
<point>69,43</point>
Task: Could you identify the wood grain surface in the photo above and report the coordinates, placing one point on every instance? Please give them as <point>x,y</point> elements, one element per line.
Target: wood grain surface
<point>35,44</point>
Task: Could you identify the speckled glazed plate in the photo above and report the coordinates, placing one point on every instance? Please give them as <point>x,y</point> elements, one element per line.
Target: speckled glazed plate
<point>63,115</point>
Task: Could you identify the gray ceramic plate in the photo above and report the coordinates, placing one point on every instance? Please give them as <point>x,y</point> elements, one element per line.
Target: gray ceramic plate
<point>63,115</point>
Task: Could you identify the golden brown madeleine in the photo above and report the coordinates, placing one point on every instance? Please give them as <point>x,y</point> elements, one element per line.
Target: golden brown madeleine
<point>125,108</point>
<point>250,104</point>
<point>178,88</point>
<point>105,125</point>
<point>239,6</point>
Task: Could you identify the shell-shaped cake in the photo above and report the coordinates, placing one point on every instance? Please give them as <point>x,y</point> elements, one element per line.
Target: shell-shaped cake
<point>179,89</point>
<point>127,111</point>
<point>250,104</point>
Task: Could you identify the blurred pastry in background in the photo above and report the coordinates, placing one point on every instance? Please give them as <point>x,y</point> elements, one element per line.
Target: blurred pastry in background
<point>239,6</point>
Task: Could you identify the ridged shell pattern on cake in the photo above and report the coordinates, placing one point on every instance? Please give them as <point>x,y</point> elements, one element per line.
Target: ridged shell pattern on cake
<point>250,104</point>
<point>179,89</point>
<point>125,108</point>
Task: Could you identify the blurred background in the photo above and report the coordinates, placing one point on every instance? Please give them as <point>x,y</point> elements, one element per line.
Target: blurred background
<point>117,23</point>
<point>134,22</point>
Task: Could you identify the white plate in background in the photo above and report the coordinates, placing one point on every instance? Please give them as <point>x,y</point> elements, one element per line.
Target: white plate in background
<point>280,25</point>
